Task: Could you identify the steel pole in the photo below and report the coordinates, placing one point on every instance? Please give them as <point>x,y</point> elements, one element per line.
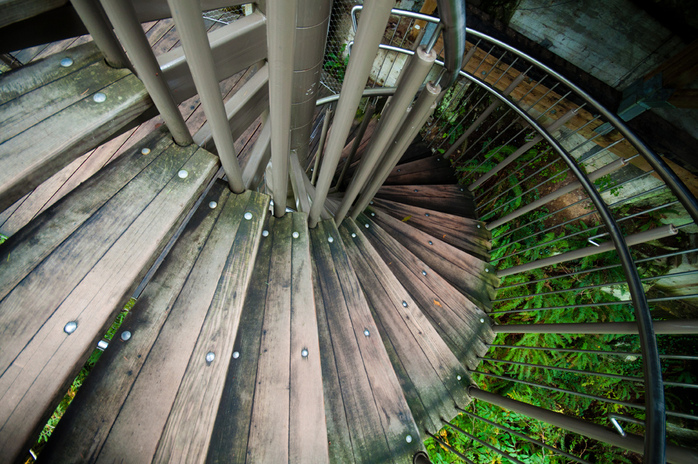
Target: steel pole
<point>93,17</point>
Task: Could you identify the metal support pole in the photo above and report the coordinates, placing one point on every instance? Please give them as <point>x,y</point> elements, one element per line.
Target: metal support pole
<point>571,187</point>
<point>422,109</point>
<point>484,116</point>
<point>674,454</point>
<point>93,17</point>
<point>261,153</point>
<point>635,239</point>
<point>368,37</point>
<point>190,25</point>
<point>552,127</point>
<point>321,144</point>
<point>123,16</point>
<point>357,141</point>
<point>414,74</point>
<point>676,327</point>
<point>281,31</point>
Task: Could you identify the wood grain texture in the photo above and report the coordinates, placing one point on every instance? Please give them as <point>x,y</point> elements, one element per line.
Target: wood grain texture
<point>446,198</point>
<point>187,433</point>
<point>452,314</point>
<point>431,366</point>
<point>462,270</point>
<point>87,279</point>
<point>427,171</point>
<point>83,429</point>
<point>460,232</point>
<point>370,389</point>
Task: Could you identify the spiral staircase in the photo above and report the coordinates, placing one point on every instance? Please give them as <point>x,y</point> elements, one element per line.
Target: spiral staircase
<point>275,324</point>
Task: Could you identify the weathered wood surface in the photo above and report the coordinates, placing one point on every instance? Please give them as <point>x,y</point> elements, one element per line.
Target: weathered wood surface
<point>427,171</point>
<point>106,237</point>
<point>18,10</point>
<point>453,315</point>
<point>52,124</point>
<point>447,198</point>
<point>462,270</point>
<point>140,403</point>
<point>460,232</point>
<point>356,367</point>
<point>431,368</point>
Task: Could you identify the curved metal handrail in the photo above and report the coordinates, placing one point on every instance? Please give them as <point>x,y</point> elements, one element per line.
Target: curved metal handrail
<point>452,15</point>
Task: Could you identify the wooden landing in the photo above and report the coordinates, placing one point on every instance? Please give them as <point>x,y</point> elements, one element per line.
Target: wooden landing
<point>79,263</point>
<point>155,394</point>
<point>445,198</point>
<point>368,418</point>
<point>431,376</point>
<point>57,109</point>
<point>428,171</point>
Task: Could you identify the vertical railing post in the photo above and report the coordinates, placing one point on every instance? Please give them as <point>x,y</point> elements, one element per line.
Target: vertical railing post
<point>321,144</point>
<point>190,25</point>
<point>97,24</point>
<point>368,36</point>
<point>123,16</point>
<point>281,31</point>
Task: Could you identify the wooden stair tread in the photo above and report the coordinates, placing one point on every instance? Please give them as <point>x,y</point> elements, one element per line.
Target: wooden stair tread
<point>368,418</point>
<point>446,198</point>
<point>431,373</point>
<point>51,120</point>
<point>460,232</point>
<point>464,271</point>
<point>80,261</point>
<point>453,315</point>
<point>432,170</point>
<point>156,396</point>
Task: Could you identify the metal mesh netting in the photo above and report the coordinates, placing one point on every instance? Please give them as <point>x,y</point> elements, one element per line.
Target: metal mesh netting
<point>226,15</point>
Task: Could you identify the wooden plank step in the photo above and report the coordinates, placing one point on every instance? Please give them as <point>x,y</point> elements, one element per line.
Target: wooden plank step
<point>453,315</point>
<point>155,395</point>
<point>49,120</point>
<point>464,271</point>
<point>427,171</point>
<point>446,198</point>
<point>368,418</point>
<point>80,262</point>
<point>273,408</point>
<point>416,151</point>
<point>467,234</point>
<point>430,374</point>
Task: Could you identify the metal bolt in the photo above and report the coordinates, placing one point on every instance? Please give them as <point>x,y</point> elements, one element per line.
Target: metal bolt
<point>212,204</point>
<point>70,327</point>
<point>370,202</point>
<point>125,335</point>
<point>353,235</point>
<point>404,303</point>
<point>366,332</point>
<point>416,190</point>
<point>426,214</point>
<point>373,214</point>
<point>482,320</point>
<point>459,377</point>
<point>438,159</point>
<point>424,273</point>
<point>330,239</point>
<point>236,354</point>
<point>210,356</point>
<point>487,270</point>
<point>67,62</point>
<point>430,242</point>
<point>182,174</point>
<point>99,97</point>
<point>102,345</point>
<point>367,226</point>
<point>304,352</point>
<point>145,151</point>
<point>484,73</point>
<point>265,233</point>
<point>296,235</point>
<point>461,190</point>
<point>478,226</point>
<point>248,215</point>
<point>399,170</point>
<point>408,438</point>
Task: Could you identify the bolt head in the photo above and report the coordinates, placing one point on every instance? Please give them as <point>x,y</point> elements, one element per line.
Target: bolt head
<point>373,214</point>
<point>265,233</point>
<point>370,202</point>
<point>70,327</point>
<point>296,235</point>
<point>487,270</point>
<point>399,170</point>
<point>102,345</point>
<point>367,226</point>
<point>145,151</point>
<point>430,242</point>
<point>183,174</point>
<point>125,335</point>
<point>459,377</point>
<point>99,97</point>
<point>366,332</point>
<point>426,214</point>
<point>424,273</point>
<point>479,226</point>
<point>408,438</point>
<point>304,352</point>
<point>210,356</point>
<point>212,204</point>
<point>330,239</point>
<point>415,190</point>
<point>404,303</point>
<point>482,320</point>
<point>353,235</point>
<point>67,62</point>
<point>248,216</point>
<point>236,354</point>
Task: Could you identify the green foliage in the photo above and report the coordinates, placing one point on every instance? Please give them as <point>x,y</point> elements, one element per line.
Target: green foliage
<point>336,63</point>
